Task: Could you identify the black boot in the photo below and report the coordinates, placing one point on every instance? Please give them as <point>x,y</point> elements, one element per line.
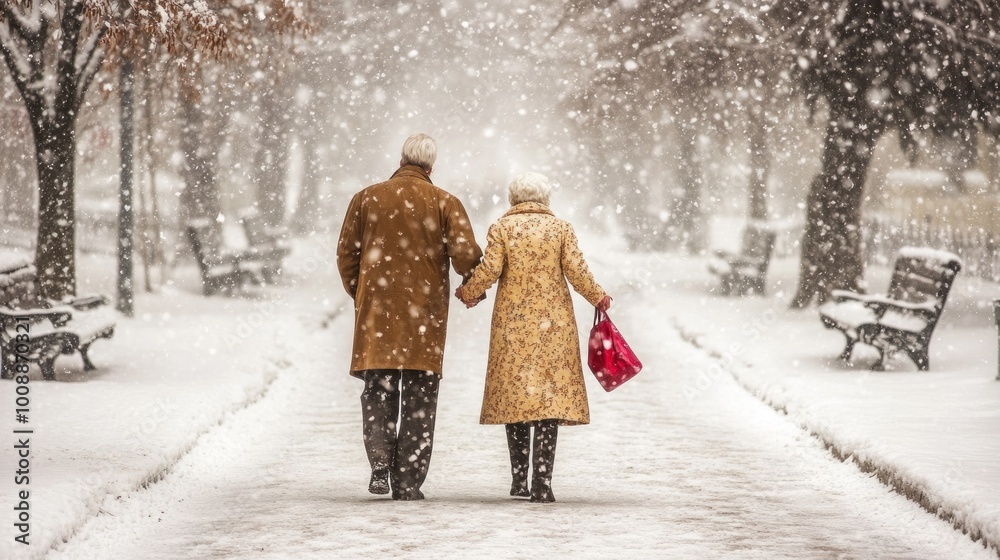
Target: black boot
<point>519,446</point>
<point>379,483</point>
<point>543,458</point>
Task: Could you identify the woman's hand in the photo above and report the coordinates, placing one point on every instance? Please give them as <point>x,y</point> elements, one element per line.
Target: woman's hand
<point>605,303</point>
<point>460,294</point>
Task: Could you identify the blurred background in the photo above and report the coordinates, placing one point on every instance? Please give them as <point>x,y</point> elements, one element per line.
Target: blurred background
<point>655,120</point>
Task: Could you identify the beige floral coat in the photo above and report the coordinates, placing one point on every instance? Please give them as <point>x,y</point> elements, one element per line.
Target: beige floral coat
<point>534,370</point>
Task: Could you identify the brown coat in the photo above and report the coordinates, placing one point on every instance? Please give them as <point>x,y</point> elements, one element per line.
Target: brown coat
<point>534,370</point>
<point>395,246</point>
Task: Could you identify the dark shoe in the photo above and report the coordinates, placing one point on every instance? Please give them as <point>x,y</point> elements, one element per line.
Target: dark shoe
<point>541,496</point>
<point>379,483</point>
<point>519,445</point>
<point>543,459</point>
<point>407,495</point>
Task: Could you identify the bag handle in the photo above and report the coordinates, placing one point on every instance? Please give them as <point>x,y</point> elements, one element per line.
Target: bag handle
<point>598,315</point>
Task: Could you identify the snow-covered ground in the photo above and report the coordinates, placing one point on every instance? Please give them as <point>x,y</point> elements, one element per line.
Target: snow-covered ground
<point>228,428</point>
<point>931,435</point>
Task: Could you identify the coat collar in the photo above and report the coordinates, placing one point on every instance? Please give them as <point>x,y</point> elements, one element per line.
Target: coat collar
<point>529,208</point>
<point>410,170</point>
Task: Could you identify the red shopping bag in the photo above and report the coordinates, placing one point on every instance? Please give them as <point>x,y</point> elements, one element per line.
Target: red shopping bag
<point>611,359</point>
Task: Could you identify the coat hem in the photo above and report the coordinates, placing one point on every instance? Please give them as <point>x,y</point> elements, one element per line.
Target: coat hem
<point>559,421</point>
<point>358,373</point>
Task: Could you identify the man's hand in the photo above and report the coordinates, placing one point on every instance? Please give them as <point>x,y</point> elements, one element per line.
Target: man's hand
<point>605,303</point>
<point>469,304</point>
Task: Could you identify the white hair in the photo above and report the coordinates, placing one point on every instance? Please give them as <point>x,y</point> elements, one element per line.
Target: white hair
<point>529,187</point>
<point>420,149</point>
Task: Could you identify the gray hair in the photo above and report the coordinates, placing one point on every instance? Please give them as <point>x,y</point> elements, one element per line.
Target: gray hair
<point>420,149</point>
<point>529,187</point>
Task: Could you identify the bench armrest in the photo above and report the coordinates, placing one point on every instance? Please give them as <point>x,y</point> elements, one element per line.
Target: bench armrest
<point>847,295</point>
<point>88,302</point>
<point>276,232</point>
<point>737,259</point>
<point>747,261</point>
<point>923,307</point>
<point>880,302</point>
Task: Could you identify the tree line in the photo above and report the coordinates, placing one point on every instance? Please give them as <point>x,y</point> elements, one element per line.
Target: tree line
<point>635,85</point>
<point>915,68</point>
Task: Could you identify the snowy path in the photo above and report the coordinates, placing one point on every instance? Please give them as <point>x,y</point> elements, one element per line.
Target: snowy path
<point>657,474</point>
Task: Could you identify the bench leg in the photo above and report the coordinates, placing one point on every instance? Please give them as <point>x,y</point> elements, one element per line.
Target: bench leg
<point>846,354</point>
<point>271,273</point>
<point>48,366</point>
<point>883,355</point>
<point>253,277</point>
<point>87,364</point>
<point>920,358</point>
<point>727,284</point>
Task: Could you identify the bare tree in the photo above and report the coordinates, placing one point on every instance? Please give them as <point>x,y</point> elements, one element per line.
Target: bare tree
<point>708,64</point>
<point>53,50</point>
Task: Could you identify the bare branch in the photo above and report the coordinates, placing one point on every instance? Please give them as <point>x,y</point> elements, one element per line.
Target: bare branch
<point>17,62</point>
<point>16,21</point>
<point>94,57</point>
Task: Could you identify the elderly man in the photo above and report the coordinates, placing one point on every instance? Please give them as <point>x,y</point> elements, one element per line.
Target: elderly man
<point>395,246</point>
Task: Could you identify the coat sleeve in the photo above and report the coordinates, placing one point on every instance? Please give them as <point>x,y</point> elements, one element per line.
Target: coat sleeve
<point>490,268</point>
<point>349,246</point>
<point>576,270</point>
<point>462,248</point>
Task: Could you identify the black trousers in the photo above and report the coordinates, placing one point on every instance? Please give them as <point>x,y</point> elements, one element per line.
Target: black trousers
<point>398,411</point>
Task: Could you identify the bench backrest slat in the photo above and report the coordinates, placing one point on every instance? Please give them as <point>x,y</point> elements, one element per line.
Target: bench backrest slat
<point>19,288</point>
<point>757,243</point>
<point>205,241</point>
<point>256,229</point>
<point>916,280</point>
<point>920,280</point>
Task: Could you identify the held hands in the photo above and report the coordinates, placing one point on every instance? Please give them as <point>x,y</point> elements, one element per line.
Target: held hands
<point>605,303</point>
<point>469,304</point>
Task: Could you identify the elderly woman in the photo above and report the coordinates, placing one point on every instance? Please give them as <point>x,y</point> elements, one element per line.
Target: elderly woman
<point>534,379</point>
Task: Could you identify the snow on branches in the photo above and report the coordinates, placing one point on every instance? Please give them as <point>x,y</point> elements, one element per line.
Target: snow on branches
<point>178,25</point>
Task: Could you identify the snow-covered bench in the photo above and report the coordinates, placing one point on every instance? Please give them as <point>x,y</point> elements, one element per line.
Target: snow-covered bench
<point>904,318</point>
<point>270,243</point>
<point>745,271</point>
<point>33,329</point>
<point>222,269</point>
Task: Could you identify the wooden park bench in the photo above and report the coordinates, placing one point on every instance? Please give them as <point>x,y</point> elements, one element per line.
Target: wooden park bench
<point>269,242</point>
<point>745,271</point>
<point>33,329</point>
<point>903,319</point>
<point>222,269</point>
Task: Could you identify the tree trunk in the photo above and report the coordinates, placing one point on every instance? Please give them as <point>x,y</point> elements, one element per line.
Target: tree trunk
<point>17,174</point>
<point>760,166</point>
<point>961,152</point>
<point>126,233</point>
<point>52,94</point>
<point>152,246</point>
<point>687,207</point>
<point>307,211</point>
<point>271,159</point>
<point>200,197</point>
<point>831,245</point>
<point>55,249</point>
